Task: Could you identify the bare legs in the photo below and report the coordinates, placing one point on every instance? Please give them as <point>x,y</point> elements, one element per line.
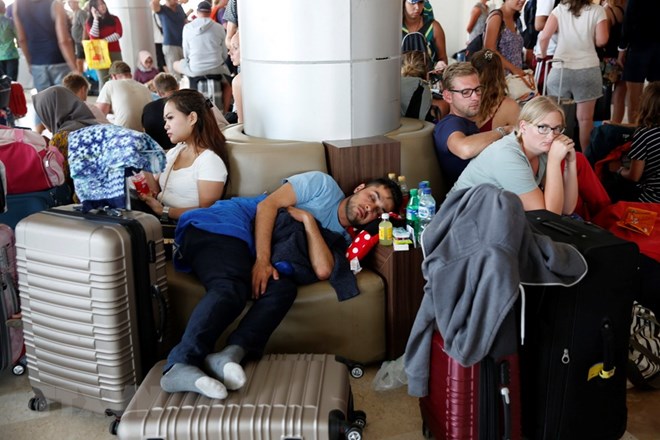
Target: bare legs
<point>585,117</point>
<point>619,101</point>
<point>635,97</point>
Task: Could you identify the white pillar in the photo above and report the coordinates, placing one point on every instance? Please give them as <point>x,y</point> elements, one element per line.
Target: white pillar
<point>321,69</point>
<point>137,25</point>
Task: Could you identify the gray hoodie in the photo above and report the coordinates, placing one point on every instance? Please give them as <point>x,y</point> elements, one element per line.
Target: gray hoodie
<point>478,249</point>
<point>204,47</point>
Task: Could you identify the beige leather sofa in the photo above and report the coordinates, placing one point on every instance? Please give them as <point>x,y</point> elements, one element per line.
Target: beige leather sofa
<point>317,322</point>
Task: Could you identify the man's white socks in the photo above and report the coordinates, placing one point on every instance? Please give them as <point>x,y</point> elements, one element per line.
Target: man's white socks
<point>182,378</point>
<point>226,366</point>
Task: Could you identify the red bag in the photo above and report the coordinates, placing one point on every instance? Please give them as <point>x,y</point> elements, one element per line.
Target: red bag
<point>31,165</point>
<point>610,217</point>
<point>17,102</point>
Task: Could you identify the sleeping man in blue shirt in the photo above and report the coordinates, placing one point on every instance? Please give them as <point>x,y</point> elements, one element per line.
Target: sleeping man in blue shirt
<point>233,262</point>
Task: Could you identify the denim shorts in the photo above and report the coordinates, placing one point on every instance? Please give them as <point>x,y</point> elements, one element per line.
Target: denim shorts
<point>47,75</point>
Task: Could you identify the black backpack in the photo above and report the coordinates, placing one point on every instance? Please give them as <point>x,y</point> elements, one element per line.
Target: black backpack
<point>416,41</point>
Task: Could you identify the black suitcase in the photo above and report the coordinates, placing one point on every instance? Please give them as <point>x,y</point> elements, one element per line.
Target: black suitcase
<point>573,361</point>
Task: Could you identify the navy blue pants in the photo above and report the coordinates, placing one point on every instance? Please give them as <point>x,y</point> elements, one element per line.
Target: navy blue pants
<point>223,265</point>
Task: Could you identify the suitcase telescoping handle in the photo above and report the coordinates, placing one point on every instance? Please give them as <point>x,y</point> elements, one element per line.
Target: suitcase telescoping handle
<point>561,76</point>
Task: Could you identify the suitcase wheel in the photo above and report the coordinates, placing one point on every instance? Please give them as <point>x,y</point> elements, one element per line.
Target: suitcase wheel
<point>359,418</point>
<point>38,404</point>
<point>114,425</point>
<point>357,371</point>
<point>426,432</point>
<point>19,368</point>
<point>354,433</point>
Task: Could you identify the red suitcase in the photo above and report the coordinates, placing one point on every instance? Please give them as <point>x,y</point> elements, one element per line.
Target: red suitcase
<point>478,402</point>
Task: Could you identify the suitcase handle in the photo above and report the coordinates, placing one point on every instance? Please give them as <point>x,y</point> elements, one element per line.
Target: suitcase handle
<point>561,76</point>
<point>157,295</point>
<point>563,229</point>
<point>505,380</point>
<point>608,349</point>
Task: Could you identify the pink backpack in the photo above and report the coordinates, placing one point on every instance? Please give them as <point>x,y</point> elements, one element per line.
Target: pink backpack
<point>31,165</point>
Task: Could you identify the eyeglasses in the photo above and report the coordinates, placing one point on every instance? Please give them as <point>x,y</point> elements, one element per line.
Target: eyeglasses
<point>545,129</point>
<point>466,93</point>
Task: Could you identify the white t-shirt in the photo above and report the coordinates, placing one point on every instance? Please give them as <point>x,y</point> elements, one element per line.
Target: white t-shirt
<point>576,36</point>
<point>179,189</point>
<point>127,98</point>
<point>544,8</point>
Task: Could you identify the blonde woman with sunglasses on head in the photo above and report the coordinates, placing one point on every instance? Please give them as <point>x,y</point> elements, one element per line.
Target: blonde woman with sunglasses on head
<point>536,162</point>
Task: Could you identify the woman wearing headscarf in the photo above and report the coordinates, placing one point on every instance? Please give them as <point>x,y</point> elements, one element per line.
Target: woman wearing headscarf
<point>146,71</point>
<point>62,112</point>
<point>99,154</point>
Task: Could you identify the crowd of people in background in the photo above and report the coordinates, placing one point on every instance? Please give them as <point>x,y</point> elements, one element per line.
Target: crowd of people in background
<point>189,44</point>
<point>593,55</point>
<point>579,50</point>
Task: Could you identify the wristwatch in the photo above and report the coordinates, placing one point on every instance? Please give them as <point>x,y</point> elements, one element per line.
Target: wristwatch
<point>501,131</point>
<point>165,216</point>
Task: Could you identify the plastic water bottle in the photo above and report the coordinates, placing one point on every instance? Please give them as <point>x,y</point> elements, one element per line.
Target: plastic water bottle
<point>385,230</point>
<point>426,209</point>
<point>412,212</point>
<point>406,195</point>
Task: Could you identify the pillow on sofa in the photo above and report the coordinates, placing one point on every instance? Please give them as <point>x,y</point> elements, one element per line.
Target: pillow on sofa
<point>367,238</point>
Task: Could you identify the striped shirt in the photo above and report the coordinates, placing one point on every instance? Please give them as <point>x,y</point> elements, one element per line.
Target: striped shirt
<point>646,147</point>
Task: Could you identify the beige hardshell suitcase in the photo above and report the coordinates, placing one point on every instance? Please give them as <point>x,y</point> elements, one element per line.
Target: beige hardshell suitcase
<point>93,293</point>
<point>287,396</point>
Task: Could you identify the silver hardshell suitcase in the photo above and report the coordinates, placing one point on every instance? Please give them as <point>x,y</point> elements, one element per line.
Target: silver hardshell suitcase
<point>287,396</point>
<point>93,293</point>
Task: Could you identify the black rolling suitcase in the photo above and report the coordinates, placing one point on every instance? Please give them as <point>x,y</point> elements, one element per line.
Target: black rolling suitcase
<point>573,361</point>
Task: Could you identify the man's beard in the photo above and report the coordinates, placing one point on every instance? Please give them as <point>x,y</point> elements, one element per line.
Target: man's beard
<point>351,218</point>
